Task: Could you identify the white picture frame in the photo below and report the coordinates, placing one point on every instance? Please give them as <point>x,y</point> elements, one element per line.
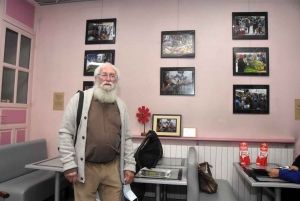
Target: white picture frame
<point>189,132</point>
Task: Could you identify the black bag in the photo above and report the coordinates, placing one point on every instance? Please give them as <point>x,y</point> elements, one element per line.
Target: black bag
<point>206,181</point>
<point>149,152</point>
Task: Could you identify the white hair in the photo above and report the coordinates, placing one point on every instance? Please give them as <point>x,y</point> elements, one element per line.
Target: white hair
<point>98,69</point>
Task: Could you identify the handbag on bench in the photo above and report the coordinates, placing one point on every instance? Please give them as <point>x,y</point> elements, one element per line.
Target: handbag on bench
<point>207,183</point>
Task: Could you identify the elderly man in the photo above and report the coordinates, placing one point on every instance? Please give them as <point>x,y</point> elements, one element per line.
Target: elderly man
<point>103,157</point>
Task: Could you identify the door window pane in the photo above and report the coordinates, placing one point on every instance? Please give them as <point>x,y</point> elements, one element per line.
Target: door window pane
<point>22,87</point>
<point>10,51</point>
<point>8,83</point>
<point>25,52</point>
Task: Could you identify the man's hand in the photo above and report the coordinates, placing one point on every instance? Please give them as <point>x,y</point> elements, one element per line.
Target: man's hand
<point>294,168</point>
<point>71,177</point>
<point>273,172</point>
<point>129,176</point>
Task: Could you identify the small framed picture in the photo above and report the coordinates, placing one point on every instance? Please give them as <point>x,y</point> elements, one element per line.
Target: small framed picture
<point>251,61</point>
<point>177,81</point>
<point>178,44</point>
<point>93,58</point>
<point>251,99</point>
<point>189,132</point>
<point>250,25</point>
<point>102,31</point>
<point>87,85</point>
<point>167,125</point>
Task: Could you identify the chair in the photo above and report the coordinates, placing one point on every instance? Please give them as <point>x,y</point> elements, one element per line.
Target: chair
<point>3,195</point>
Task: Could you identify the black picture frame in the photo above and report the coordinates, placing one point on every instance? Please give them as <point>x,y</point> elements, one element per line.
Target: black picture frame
<point>177,81</point>
<point>87,85</point>
<point>251,99</point>
<point>252,61</point>
<point>250,25</point>
<point>167,125</point>
<point>178,44</point>
<point>93,58</point>
<point>101,31</point>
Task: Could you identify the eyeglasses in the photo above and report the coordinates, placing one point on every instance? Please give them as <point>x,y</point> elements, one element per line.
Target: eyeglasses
<point>111,76</point>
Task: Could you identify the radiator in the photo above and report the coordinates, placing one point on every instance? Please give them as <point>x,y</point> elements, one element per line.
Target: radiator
<point>221,156</point>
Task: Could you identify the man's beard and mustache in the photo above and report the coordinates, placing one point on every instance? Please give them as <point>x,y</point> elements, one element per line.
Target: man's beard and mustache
<point>105,92</point>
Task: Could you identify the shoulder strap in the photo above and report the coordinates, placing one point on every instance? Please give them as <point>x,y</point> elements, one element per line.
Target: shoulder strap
<point>79,112</point>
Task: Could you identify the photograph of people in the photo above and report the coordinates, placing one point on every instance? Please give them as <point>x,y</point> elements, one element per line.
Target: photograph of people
<point>250,99</point>
<point>100,31</point>
<point>177,82</point>
<point>166,125</point>
<point>250,25</point>
<point>250,62</point>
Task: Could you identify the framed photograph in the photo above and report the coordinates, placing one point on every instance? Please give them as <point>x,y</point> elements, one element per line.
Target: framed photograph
<point>189,132</point>
<point>177,81</point>
<point>167,125</point>
<point>93,58</point>
<point>251,61</point>
<point>250,25</point>
<point>251,99</point>
<point>87,85</point>
<point>178,44</point>
<point>102,31</point>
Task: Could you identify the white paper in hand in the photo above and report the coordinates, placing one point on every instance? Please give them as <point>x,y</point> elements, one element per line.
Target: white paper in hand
<point>128,192</point>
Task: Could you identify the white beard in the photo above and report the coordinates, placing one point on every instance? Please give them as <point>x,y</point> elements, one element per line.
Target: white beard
<point>104,93</point>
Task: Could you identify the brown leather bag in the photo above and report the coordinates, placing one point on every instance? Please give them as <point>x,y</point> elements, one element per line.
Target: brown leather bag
<point>206,182</point>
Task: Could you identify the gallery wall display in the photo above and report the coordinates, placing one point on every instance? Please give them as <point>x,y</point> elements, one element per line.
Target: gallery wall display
<point>250,25</point>
<point>93,58</point>
<point>167,125</point>
<point>101,31</point>
<point>177,81</point>
<point>178,44</point>
<point>252,61</point>
<point>87,85</point>
<point>251,99</point>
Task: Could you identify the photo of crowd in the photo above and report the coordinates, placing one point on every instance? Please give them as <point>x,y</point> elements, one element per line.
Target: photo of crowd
<point>178,82</point>
<point>93,60</point>
<point>251,62</point>
<point>249,25</point>
<point>251,99</point>
<point>166,125</point>
<point>178,45</point>
<point>101,31</point>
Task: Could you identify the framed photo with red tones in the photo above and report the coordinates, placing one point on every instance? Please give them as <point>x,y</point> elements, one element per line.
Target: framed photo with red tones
<point>252,61</point>
<point>167,125</point>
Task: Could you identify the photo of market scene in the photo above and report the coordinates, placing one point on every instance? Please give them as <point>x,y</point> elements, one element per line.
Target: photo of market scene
<point>178,44</point>
<point>251,99</point>
<point>247,62</point>
<point>166,125</point>
<point>94,60</point>
<point>249,25</point>
<point>177,83</point>
<point>100,31</point>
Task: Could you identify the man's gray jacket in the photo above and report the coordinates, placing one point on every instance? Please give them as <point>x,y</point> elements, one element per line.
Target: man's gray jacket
<point>75,157</point>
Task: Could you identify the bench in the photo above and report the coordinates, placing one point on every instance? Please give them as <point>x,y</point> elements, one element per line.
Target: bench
<point>224,192</point>
<point>21,183</point>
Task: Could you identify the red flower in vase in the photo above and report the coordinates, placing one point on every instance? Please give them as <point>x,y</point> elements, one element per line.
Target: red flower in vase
<point>143,114</point>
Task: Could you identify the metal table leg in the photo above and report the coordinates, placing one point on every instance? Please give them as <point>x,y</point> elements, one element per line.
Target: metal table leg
<point>277,194</point>
<point>165,193</point>
<point>157,192</point>
<point>57,186</point>
<point>259,194</point>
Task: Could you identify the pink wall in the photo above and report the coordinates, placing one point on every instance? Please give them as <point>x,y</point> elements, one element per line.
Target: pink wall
<point>13,117</point>
<point>139,25</point>
<point>21,11</point>
<point>5,137</point>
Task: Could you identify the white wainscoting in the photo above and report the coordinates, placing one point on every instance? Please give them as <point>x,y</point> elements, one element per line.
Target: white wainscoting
<point>221,156</point>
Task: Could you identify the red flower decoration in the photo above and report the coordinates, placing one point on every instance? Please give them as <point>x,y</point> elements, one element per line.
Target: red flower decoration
<point>143,114</point>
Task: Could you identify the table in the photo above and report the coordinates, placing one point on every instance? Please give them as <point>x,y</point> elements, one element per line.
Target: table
<point>52,164</point>
<point>264,182</point>
<point>167,163</point>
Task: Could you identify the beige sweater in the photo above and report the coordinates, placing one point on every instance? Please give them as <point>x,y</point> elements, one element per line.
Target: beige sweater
<point>68,128</point>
